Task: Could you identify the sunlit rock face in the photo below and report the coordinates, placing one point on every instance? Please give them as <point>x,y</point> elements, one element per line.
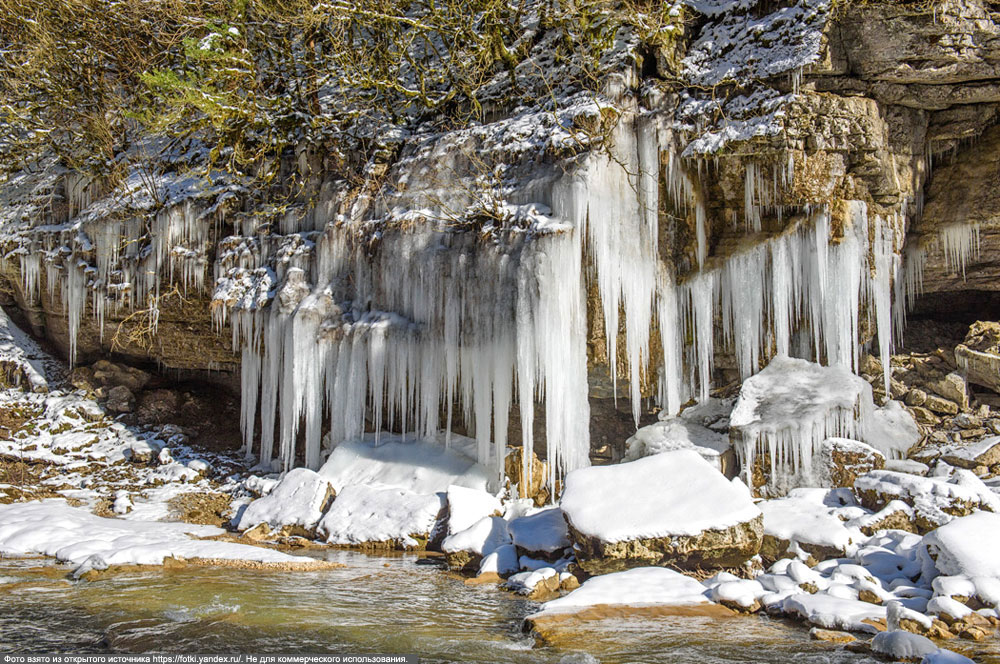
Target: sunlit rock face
<point>553,276</point>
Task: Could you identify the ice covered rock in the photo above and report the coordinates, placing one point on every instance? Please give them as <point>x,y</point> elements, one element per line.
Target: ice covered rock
<point>671,508</point>
<point>530,477</point>
<point>784,414</point>
<point>936,500</point>
<point>381,517</point>
<point>542,533</point>
<point>680,433</point>
<point>808,520</point>
<point>294,506</point>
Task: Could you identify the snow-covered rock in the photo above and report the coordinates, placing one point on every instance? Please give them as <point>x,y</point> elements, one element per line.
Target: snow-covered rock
<point>900,645</point>
<point>966,546</point>
<point>671,508</point>
<point>381,516</point>
<point>983,453</point>
<point>295,505</point>
<point>543,532</point>
<point>637,588</point>
<point>465,549</point>
<point>414,465</point>
<point>842,460</point>
<point>680,433</point>
<point>467,506</point>
<point>71,534</point>
<point>936,500</point>
<point>809,520</point>
<point>830,612</point>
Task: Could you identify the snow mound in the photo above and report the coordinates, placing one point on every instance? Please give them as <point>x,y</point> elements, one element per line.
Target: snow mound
<point>299,499</point>
<point>543,531</point>
<point>414,465</point>
<point>967,546</point>
<point>640,587</point>
<point>669,494</point>
<point>71,534</point>
<point>364,514</point>
<point>482,538</point>
<point>810,516</point>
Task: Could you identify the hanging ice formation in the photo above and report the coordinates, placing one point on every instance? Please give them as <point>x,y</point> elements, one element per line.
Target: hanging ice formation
<point>346,326</point>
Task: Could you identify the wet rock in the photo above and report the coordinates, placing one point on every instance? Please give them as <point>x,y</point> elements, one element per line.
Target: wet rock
<point>120,400</point>
<point>831,636</point>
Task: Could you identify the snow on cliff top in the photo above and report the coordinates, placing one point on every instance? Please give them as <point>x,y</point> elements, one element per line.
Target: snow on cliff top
<point>674,493</point>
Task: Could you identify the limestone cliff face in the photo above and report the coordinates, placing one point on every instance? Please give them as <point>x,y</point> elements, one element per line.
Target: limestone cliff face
<point>626,233</point>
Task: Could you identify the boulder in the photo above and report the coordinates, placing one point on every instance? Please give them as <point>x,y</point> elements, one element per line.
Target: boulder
<point>940,405</point>
<point>375,517</point>
<point>531,484</point>
<point>953,388</point>
<point>984,453</point>
<point>466,549</point>
<point>810,520</point>
<point>979,355</point>
<point>844,460</point>
<point>672,509</point>
<point>680,433</point>
<point>109,374</point>
<point>294,507</point>
<point>541,534</point>
<point>936,500</point>
<point>966,546</point>
<point>120,400</point>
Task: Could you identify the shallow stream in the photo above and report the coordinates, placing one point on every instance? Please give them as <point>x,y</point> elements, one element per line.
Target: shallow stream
<point>375,604</point>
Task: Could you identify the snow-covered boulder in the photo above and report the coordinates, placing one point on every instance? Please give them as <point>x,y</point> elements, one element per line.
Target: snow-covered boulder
<point>294,506</point>
<point>466,549</point>
<point>680,433</point>
<point>642,588</point>
<point>936,500</point>
<point>467,506</point>
<point>966,546</point>
<point>809,520</point>
<point>668,509</point>
<point>381,517</point>
<point>542,533</point>
<point>899,645</point>
<point>983,453</point>
<point>415,465</point>
<point>785,412</point>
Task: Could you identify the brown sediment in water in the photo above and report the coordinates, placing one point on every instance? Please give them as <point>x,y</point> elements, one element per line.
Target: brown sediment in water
<point>172,564</point>
<point>568,629</point>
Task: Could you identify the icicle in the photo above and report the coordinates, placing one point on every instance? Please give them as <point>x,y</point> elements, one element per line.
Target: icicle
<point>959,242</point>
